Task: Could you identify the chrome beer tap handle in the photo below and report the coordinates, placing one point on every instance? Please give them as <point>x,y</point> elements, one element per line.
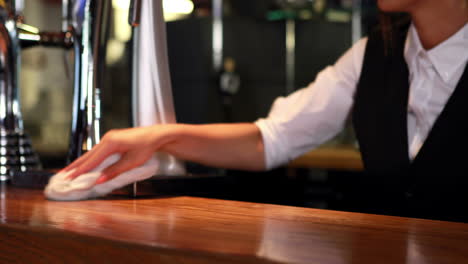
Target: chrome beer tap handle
<point>134,14</point>
<point>90,22</point>
<point>134,20</point>
<point>16,153</point>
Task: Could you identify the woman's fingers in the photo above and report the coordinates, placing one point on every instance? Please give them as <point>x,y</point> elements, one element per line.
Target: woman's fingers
<point>127,162</point>
<point>92,160</point>
<point>133,144</point>
<point>76,163</point>
<point>108,141</point>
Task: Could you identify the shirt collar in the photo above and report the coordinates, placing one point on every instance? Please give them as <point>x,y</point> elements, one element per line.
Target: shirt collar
<point>446,57</point>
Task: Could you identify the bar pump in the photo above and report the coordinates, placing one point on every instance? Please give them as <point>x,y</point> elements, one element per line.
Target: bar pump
<point>85,27</point>
<point>16,153</point>
<point>88,21</point>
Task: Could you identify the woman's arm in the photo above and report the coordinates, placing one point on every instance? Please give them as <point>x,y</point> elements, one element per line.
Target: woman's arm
<point>296,124</point>
<point>235,146</point>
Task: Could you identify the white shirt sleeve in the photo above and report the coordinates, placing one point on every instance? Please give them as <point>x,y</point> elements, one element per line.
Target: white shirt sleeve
<point>312,115</point>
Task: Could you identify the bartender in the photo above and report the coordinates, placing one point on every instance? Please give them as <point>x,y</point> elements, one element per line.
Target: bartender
<point>406,87</point>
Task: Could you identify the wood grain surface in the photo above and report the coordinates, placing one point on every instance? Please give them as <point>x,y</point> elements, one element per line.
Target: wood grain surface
<point>336,158</point>
<point>198,230</point>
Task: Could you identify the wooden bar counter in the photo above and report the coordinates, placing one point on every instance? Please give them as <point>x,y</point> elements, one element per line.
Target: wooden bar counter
<point>336,158</point>
<point>185,229</point>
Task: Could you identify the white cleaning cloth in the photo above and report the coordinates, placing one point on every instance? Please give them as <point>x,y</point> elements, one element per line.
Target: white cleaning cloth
<point>84,186</point>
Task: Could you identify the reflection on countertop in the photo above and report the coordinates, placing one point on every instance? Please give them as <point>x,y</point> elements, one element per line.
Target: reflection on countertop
<point>201,230</point>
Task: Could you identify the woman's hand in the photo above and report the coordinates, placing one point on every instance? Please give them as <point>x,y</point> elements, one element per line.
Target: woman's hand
<point>135,145</point>
<point>233,146</point>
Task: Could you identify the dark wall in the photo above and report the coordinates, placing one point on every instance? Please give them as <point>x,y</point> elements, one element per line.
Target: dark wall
<point>258,46</point>
<point>259,49</point>
<point>189,48</point>
<point>318,44</point>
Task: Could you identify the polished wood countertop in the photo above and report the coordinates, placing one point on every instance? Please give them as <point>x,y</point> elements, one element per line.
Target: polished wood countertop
<point>330,157</point>
<point>198,230</point>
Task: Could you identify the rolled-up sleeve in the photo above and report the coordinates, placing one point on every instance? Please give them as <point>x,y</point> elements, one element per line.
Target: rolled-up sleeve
<point>312,115</point>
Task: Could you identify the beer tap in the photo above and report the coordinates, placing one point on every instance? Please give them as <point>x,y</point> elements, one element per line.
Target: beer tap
<point>16,153</point>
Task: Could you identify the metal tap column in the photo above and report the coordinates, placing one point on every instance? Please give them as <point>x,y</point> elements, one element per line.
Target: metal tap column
<point>16,153</point>
<point>90,24</point>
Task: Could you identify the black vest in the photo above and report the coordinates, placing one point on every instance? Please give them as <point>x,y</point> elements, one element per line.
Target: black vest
<point>435,184</point>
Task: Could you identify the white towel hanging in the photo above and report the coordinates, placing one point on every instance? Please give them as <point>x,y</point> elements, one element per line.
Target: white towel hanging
<point>154,100</point>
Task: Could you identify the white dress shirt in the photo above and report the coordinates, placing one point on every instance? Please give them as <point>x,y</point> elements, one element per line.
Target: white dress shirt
<point>312,115</point>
